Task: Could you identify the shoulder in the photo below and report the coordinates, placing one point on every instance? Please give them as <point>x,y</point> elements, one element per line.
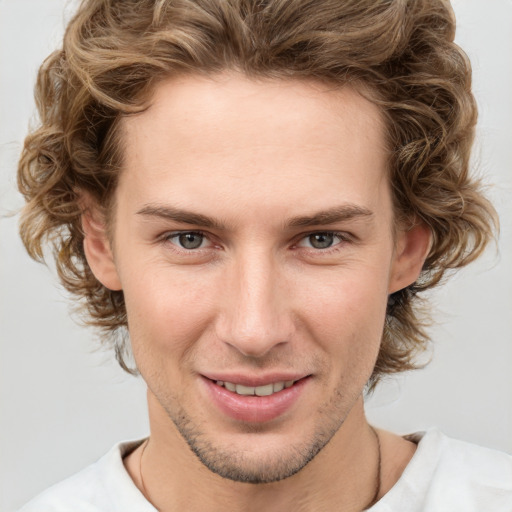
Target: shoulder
<point>101,487</point>
<point>460,461</point>
<point>450,475</point>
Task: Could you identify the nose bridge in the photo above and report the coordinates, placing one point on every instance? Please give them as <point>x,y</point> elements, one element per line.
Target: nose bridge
<point>255,318</point>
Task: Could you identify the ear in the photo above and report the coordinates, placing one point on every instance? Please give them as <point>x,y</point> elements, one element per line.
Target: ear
<point>98,249</point>
<point>412,248</point>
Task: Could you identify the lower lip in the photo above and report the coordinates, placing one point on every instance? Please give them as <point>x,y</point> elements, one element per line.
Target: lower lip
<point>256,409</point>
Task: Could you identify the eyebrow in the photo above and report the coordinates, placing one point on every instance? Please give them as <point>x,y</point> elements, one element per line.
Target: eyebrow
<point>330,216</point>
<point>180,215</point>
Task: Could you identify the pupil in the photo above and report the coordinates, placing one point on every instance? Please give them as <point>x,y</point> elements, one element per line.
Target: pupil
<point>191,240</point>
<point>321,241</point>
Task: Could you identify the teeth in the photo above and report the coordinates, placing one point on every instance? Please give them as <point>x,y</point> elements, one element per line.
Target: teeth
<point>244,390</point>
<point>230,386</point>
<point>266,390</point>
<point>278,386</point>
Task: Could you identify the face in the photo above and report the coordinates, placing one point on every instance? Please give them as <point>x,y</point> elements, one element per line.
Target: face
<point>253,241</point>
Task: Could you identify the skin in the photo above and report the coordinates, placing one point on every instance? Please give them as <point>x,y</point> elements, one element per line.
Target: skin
<point>257,296</point>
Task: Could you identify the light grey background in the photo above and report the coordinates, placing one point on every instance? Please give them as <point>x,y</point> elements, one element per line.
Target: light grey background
<point>63,404</point>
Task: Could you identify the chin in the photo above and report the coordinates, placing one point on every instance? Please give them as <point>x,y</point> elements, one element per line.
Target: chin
<point>267,461</point>
<point>255,468</point>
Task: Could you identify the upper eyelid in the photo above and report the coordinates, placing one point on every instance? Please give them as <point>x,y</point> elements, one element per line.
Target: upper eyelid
<point>342,234</point>
<point>325,232</point>
<point>171,234</point>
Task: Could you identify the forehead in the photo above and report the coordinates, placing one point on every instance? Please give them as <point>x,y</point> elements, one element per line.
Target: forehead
<point>206,140</point>
<point>230,108</point>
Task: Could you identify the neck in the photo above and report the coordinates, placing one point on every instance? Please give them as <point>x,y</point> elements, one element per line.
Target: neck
<point>345,475</point>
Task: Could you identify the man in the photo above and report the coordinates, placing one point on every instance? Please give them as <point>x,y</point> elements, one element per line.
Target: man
<point>257,191</point>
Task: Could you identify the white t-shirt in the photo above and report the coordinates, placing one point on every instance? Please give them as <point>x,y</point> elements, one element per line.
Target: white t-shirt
<point>444,475</point>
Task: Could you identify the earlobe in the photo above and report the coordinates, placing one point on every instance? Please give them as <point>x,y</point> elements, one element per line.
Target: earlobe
<point>98,250</point>
<point>412,249</point>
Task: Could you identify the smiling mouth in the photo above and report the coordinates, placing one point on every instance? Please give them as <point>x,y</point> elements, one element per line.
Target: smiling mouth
<point>265,390</point>
<point>244,402</point>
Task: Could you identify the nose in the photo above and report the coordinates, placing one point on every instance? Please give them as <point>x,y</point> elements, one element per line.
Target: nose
<point>256,311</point>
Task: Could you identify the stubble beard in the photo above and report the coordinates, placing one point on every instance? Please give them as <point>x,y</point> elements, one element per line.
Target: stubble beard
<point>256,468</point>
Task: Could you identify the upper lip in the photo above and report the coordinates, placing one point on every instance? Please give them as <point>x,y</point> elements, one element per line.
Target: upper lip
<point>255,380</point>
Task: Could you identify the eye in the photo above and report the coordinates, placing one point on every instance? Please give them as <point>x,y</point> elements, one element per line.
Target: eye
<point>321,240</point>
<point>188,240</point>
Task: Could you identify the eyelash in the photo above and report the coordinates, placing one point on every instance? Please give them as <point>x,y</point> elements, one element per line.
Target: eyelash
<point>166,237</point>
<point>342,236</point>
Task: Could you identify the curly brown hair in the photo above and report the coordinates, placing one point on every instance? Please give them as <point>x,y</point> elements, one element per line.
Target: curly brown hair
<point>399,53</point>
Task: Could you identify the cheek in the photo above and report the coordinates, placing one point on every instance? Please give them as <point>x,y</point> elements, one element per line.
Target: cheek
<point>167,311</point>
<point>346,317</point>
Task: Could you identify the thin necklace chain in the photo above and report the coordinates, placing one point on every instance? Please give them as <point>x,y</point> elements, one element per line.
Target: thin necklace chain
<point>144,491</point>
<point>378,483</point>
